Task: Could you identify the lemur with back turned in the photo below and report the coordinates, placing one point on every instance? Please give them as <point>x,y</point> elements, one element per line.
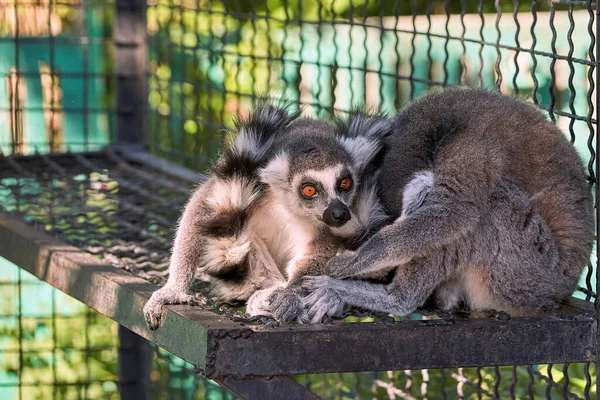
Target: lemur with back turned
<point>283,199</point>
<point>506,224</point>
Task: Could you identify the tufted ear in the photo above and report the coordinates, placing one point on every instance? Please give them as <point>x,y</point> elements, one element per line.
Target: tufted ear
<point>368,125</point>
<point>362,149</point>
<point>276,171</point>
<point>362,136</point>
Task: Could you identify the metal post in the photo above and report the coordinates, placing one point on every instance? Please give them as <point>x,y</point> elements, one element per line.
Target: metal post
<point>130,67</point>
<point>597,188</point>
<point>135,363</point>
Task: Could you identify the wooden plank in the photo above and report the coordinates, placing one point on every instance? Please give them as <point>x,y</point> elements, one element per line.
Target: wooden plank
<point>111,291</point>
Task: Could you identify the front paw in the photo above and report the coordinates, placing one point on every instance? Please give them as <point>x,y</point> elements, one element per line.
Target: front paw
<point>285,304</point>
<point>320,303</point>
<point>339,265</point>
<point>153,310</point>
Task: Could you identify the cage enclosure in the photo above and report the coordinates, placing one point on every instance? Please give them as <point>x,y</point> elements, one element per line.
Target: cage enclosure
<point>109,111</point>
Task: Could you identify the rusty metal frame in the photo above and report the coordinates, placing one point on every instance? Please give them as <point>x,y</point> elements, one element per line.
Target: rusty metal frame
<point>229,351</point>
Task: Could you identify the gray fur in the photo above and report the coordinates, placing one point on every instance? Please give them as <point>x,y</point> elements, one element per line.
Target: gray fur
<point>508,224</point>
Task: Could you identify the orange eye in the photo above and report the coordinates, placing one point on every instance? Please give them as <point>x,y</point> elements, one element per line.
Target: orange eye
<point>309,191</point>
<point>346,183</point>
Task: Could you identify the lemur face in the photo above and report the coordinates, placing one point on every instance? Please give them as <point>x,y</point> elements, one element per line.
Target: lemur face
<point>324,195</point>
<point>315,178</point>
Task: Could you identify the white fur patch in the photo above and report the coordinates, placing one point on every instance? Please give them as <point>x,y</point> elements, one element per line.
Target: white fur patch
<point>276,171</point>
<point>416,190</point>
<point>231,193</point>
<point>258,303</point>
<point>224,252</point>
<point>362,149</point>
<point>285,235</point>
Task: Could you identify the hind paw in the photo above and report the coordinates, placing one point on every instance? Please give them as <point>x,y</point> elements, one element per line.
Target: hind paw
<point>258,303</point>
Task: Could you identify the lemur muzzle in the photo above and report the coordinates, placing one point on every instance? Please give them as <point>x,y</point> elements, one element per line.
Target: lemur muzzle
<point>337,214</point>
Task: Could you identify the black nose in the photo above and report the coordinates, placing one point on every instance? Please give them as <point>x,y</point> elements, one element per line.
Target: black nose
<point>337,214</point>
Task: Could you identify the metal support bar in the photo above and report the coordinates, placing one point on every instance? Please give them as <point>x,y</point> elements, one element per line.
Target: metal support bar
<point>267,388</point>
<point>130,67</point>
<point>597,187</point>
<point>135,363</point>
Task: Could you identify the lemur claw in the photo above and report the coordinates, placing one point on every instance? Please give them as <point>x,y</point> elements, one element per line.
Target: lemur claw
<point>285,304</point>
<point>153,310</point>
<point>323,302</point>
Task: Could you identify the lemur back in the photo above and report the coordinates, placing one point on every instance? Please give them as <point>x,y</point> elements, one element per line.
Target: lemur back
<point>508,223</point>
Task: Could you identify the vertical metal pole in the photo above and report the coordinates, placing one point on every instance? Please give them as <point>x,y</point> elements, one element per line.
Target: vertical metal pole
<point>597,189</point>
<point>130,67</point>
<point>134,365</point>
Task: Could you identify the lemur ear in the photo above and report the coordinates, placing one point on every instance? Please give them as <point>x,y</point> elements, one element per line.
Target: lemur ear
<point>276,171</point>
<point>362,136</point>
<point>256,133</point>
<point>368,125</point>
<point>362,149</point>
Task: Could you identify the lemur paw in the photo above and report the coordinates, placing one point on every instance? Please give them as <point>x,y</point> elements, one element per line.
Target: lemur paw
<point>153,310</point>
<point>338,266</point>
<point>320,303</point>
<point>285,304</point>
<point>258,303</point>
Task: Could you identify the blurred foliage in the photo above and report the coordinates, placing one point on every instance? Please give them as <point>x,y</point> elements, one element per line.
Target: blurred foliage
<point>210,59</point>
<point>463,383</point>
<point>68,350</point>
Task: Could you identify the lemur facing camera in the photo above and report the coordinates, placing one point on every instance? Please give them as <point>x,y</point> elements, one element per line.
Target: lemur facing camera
<point>507,223</point>
<point>283,199</point>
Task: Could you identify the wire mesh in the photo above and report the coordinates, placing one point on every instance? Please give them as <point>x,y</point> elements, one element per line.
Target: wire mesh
<point>56,75</point>
<point>208,61</point>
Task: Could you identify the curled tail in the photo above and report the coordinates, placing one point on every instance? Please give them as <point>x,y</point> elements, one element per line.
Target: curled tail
<point>235,190</point>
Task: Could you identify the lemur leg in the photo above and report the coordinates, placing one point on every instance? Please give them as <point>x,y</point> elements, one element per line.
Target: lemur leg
<point>186,253</point>
<point>451,210</point>
<point>286,302</point>
<point>412,284</point>
<point>271,280</point>
<point>517,263</point>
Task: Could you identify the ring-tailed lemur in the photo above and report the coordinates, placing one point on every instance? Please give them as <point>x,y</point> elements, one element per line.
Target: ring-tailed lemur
<point>281,200</point>
<point>507,225</point>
